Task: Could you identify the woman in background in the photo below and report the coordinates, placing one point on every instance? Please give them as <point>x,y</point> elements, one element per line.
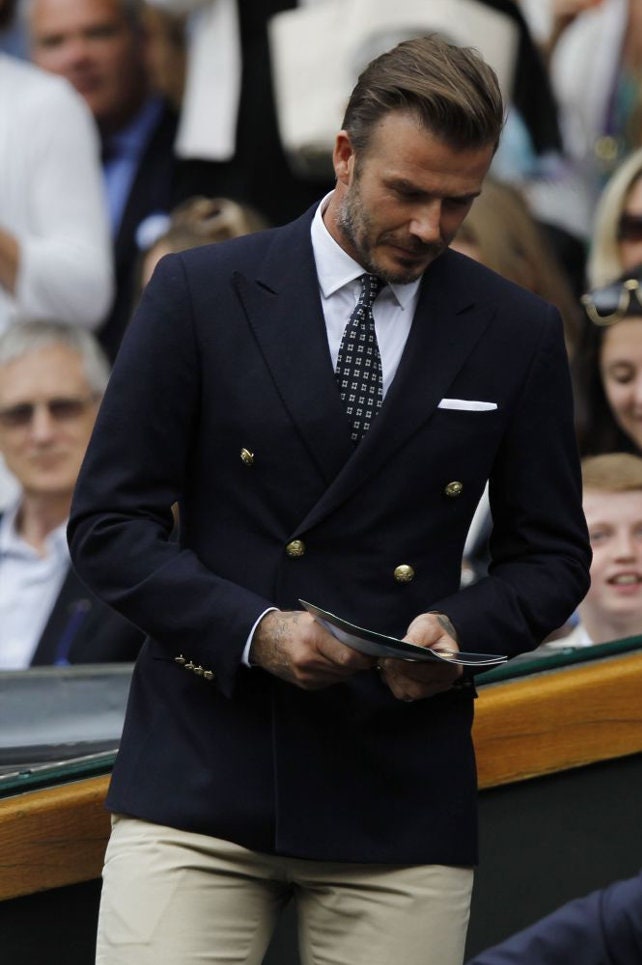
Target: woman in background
<point>607,369</point>
<point>501,233</point>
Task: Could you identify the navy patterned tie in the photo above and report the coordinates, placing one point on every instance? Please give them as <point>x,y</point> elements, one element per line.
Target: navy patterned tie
<point>358,368</point>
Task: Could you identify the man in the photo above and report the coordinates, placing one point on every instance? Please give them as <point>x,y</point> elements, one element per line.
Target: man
<point>51,379</point>
<point>99,45</point>
<point>612,608</point>
<point>55,251</point>
<point>54,239</point>
<point>261,757</point>
<point>602,927</point>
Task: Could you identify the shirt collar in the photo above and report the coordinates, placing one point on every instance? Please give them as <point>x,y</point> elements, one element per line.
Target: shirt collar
<point>12,544</point>
<point>335,267</point>
<point>131,140</point>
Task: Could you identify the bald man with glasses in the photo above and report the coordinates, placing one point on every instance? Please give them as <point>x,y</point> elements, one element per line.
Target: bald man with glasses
<point>52,378</point>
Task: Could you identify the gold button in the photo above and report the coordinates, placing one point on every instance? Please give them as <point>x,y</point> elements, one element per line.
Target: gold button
<point>208,674</point>
<point>180,659</point>
<point>454,488</point>
<point>404,573</point>
<point>247,457</point>
<point>295,548</point>
<point>198,671</point>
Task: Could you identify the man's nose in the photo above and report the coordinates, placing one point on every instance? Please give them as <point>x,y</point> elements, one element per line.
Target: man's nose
<point>625,546</point>
<point>74,52</point>
<point>426,222</point>
<point>43,424</point>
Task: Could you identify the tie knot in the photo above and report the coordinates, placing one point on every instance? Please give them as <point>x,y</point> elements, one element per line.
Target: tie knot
<point>371,285</point>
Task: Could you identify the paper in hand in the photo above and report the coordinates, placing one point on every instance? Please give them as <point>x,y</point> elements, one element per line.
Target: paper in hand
<point>379,645</point>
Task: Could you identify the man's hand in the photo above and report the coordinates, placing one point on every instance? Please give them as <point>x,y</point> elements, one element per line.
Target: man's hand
<point>413,680</point>
<point>293,646</point>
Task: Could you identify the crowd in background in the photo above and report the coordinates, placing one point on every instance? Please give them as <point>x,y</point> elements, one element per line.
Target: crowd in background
<point>132,129</point>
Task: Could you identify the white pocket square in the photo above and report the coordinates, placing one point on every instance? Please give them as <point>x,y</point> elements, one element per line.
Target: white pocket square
<point>467,404</point>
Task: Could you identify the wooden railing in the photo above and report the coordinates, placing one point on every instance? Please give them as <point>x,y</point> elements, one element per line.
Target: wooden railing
<point>524,728</point>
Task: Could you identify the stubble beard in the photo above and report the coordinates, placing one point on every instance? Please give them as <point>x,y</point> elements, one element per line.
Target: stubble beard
<point>355,224</point>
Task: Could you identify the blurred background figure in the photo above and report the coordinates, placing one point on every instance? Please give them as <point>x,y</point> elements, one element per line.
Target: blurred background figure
<point>55,251</point>
<point>52,377</point>
<point>54,241</point>
<point>100,47</point>
<point>166,53</point>
<point>607,369</point>
<point>501,232</point>
<point>12,35</point>
<point>602,927</point>
<point>612,500</point>
<point>595,63</point>
<point>228,139</point>
<point>616,243</point>
<point>200,221</point>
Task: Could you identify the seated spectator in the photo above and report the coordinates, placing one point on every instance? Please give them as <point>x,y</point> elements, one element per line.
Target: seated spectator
<point>55,251</point>
<point>100,47</point>
<point>55,256</point>
<point>500,232</point>
<point>595,72</point>
<point>603,928</point>
<point>51,380</point>
<point>607,369</point>
<point>616,244</point>
<point>612,608</point>
<point>200,221</point>
<point>166,53</point>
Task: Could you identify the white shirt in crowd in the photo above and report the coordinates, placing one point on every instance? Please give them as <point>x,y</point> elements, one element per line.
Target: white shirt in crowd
<point>52,200</point>
<point>32,579</point>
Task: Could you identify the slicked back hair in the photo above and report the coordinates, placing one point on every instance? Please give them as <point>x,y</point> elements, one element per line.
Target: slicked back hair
<point>451,90</point>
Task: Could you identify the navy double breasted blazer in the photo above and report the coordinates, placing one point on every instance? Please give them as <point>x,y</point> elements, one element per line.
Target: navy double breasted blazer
<point>227,353</point>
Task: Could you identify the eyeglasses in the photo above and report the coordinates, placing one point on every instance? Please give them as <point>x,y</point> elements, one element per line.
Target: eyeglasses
<point>62,409</point>
<point>610,304</point>
<point>630,228</point>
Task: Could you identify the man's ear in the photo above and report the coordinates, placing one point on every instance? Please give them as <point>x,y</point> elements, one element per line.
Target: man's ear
<point>343,158</point>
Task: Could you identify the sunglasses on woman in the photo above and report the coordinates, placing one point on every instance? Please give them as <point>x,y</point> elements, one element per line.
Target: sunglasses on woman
<point>612,303</point>
<point>630,228</point>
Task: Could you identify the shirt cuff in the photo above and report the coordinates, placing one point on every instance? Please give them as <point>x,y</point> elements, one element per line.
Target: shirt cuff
<point>245,657</point>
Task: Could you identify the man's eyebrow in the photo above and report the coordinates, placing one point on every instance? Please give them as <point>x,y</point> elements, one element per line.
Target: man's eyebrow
<point>402,184</point>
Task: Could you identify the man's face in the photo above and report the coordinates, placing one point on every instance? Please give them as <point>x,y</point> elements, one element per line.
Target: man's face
<point>93,45</point>
<point>400,203</point>
<point>45,450</point>
<point>615,528</point>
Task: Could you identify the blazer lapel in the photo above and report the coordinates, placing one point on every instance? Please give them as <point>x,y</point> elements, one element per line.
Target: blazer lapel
<point>283,307</point>
<point>445,329</point>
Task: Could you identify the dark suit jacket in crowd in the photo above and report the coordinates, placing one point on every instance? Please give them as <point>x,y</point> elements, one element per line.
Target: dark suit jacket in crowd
<point>603,928</point>
<point>82,629</point>
<point>153,191</point>
<point>224,396</point>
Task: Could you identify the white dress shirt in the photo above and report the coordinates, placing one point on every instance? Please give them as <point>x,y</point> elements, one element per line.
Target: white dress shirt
<point>29,587</point>
<point>339,287</point>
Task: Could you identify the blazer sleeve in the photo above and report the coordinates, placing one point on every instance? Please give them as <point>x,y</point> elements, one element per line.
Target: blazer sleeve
<point>603,927</point>
<point>137,465</point>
